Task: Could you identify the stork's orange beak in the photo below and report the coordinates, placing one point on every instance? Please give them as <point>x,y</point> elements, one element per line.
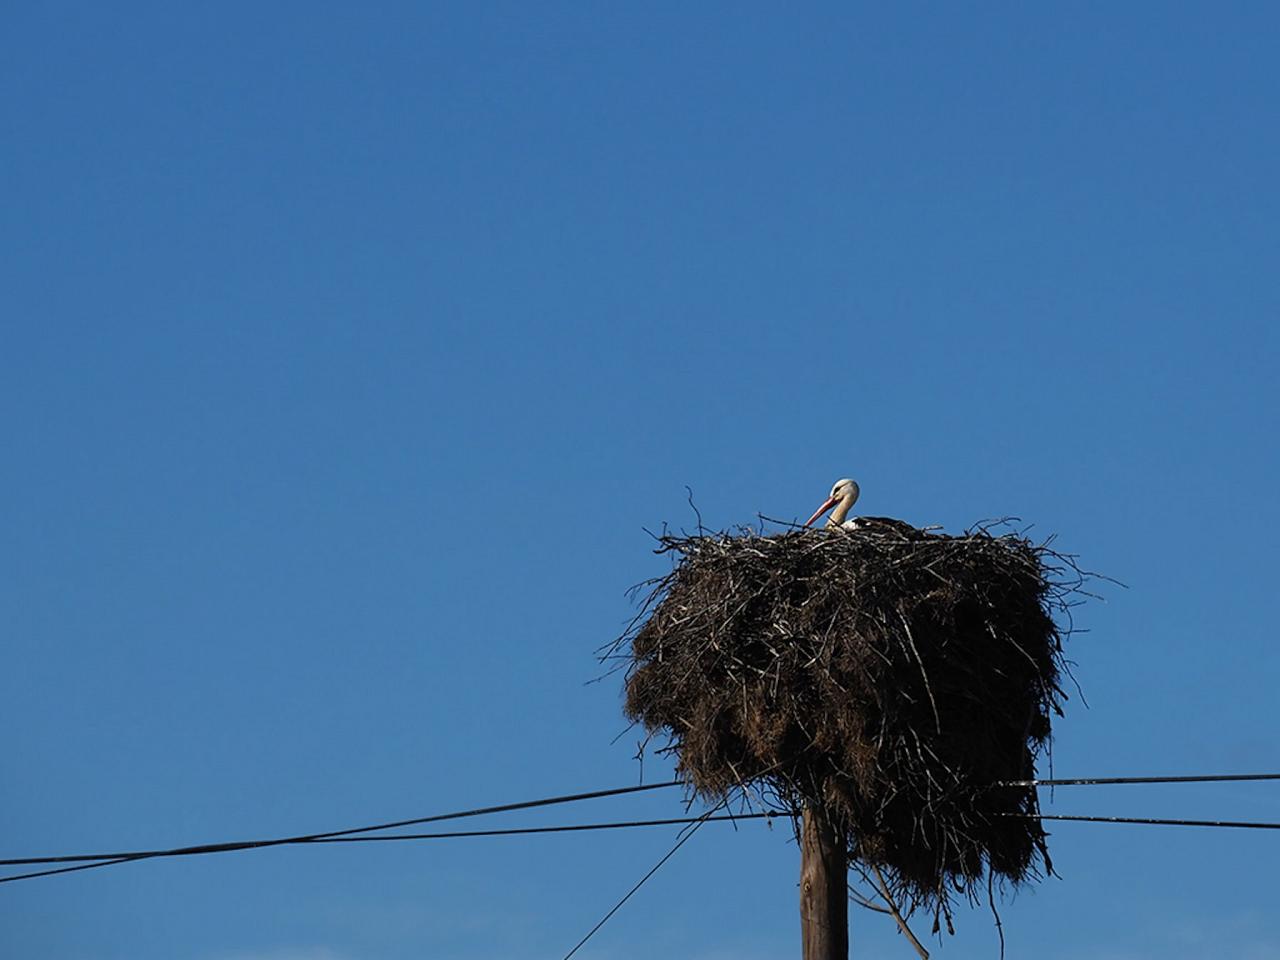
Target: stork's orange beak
<point>831,502</point>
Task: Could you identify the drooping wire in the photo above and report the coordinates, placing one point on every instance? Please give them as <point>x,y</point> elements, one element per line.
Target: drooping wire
<point>1156,821</point>
<point>697,821</point>
<point>82,866</point>
<point>1103,781</point>
<point>500,832</point>
<point>567,828</point>
<point>110,859</point>
<point>91,861</point>
<point>685,835</point>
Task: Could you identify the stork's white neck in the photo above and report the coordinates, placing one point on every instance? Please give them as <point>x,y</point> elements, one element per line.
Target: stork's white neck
<point>841,511</point>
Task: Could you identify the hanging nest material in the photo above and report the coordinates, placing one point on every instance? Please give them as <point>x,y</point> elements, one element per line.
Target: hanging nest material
<point>893,675</point>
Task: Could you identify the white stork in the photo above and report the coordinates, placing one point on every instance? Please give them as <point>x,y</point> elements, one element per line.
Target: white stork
<point>844,494</point>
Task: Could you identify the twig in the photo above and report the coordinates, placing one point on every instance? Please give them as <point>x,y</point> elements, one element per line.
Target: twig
<point>897,914</point>
<point>862,901</point>
<point>696,512</point>
<point>928,688</point>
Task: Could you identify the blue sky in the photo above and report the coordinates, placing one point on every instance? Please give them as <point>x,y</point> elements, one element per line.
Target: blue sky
<point>347,353</point>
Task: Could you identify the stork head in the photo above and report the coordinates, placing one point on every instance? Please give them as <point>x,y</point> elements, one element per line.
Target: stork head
<point>843,492</point>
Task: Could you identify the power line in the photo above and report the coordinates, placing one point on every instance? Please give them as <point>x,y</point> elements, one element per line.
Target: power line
<point>90,861</point>
<point>1101,781</point>
<point>82,866</point>
<point>109,859</point>
<point>618,906</point>
<point>503,832</point>
<point>698,822</point>
<point>1245,824</point>
<point>765,815</point>
<point>570,828</point>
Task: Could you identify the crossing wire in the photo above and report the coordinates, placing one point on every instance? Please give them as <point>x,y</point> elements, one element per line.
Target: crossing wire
<point>685,835</point>
<point>91,861</point>
<point>110,859</point>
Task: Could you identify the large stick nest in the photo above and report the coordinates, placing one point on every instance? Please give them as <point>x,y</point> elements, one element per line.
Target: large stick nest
<point>892,675</point>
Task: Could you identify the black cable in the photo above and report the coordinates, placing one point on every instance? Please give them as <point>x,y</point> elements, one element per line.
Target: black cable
<point>110,859</point>
<point>83,866</point>
<point>698,821</point>
<point>1097,781</point>
<point>106,859</point>
<point>618,906</point>
<point>571,828</point>
<point>1246,824</point>
<point>514,831</point>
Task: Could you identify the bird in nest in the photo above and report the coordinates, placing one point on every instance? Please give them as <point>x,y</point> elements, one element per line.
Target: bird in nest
<point>844,494</point>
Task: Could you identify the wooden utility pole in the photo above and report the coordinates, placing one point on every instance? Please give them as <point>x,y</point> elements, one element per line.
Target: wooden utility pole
<point>824,887</point>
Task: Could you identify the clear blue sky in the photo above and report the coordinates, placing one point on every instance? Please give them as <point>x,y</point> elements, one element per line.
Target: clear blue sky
<point>347,350</point>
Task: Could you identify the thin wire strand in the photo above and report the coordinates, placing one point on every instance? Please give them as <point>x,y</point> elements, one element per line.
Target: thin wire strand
<point>697,821</point>
<point>1102,781</point>
<point>504,832</point>
<point>83,866</point>
<point>106,859</point>
<point>1243,824</point>
<point>515,831</point>
<point>111,859</point>
<point>618,906</point>
<point>570,828</point>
